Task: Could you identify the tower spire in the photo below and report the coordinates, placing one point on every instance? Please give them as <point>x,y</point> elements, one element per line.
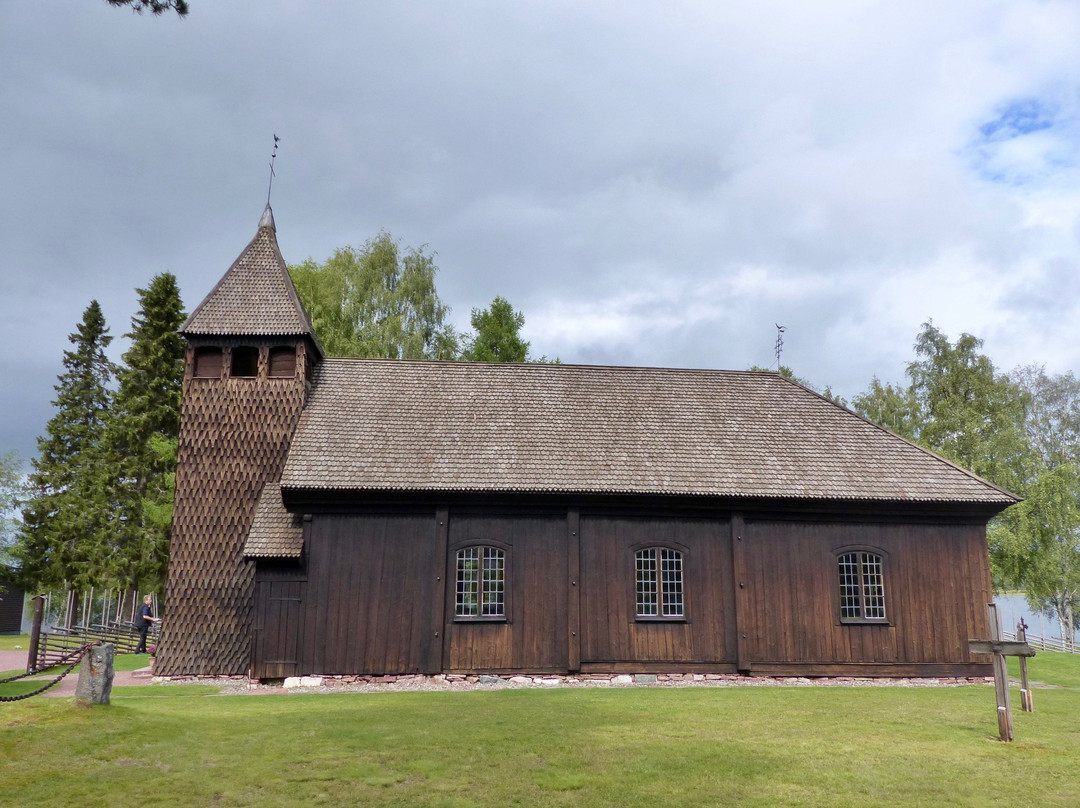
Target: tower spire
<point>273,157</point>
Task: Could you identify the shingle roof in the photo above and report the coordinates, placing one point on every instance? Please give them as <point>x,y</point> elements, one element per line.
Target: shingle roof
<point>413,426</point>
<point>255,297</point>
<point>275,533</point>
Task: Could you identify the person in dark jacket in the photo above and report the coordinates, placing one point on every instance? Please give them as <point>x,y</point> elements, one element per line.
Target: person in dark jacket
<point>146,619</point>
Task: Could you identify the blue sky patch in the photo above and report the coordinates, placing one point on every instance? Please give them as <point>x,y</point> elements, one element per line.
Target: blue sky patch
<point>1029,141</point>
<point>1019,118</point>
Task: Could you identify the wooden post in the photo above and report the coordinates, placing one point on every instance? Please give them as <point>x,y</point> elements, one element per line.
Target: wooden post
<point>999,648</point>
<point>444,591</point>
<point>1001,677</point>
<point>35,634</point>
<point>573,564</point>
<point>1026,703</point>
<point>740,601</point>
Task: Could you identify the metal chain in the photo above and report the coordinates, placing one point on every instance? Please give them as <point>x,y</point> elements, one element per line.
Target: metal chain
<point>78,654</point>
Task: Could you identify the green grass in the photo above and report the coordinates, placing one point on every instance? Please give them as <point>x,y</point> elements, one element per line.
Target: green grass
<point>164,746</point>
<point>1051,668</point>
<point>8,642</point>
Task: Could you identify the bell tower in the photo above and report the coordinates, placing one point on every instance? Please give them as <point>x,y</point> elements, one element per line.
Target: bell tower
<point>251,351</point>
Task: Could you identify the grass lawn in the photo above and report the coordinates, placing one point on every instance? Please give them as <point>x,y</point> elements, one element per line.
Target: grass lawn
<point>166,746</point>
<point>13,642</point>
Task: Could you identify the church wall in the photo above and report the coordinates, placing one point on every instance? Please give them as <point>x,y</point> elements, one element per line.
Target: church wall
<point>937,585</point>
<point>761,595</point>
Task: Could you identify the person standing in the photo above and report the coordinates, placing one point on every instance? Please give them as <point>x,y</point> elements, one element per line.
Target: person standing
<point>146,619</point>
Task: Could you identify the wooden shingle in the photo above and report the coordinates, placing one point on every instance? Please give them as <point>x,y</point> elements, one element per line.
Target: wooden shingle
<point>443,426</point>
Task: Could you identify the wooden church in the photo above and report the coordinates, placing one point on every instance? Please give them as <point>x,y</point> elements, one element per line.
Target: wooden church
<point>346,516</point>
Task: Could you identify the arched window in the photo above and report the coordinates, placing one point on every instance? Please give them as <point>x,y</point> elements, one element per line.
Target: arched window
<point>245,362</point>
<point>283,361</point>
<point>862,587</point>
<point>207,364</point>
<point>658,582</point>
<point>481,583</point>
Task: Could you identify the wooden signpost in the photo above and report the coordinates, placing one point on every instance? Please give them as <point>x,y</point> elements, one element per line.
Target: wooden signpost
<point>1001,648</point>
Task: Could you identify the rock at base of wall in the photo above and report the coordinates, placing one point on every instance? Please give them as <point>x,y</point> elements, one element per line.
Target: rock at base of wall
<point>96,674</point>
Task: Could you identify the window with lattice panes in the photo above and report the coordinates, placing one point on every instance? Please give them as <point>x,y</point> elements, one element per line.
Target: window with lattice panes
<point>481,583</point>
<point>658,583</point>
<point>862,587</point>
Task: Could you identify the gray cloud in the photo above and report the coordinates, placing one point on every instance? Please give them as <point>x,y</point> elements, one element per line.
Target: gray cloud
<point>650,184</point>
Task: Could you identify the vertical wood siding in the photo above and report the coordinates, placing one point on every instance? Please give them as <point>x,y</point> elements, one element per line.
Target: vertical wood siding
<point>610,632</point>
<point>373,601</point>
<point>937,583</point>
<point>534,636</point>
<point>379,597</point>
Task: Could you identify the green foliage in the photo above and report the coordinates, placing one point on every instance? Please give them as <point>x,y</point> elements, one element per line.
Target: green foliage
<point>378,301</point>
<point>100,503</point>
<point>155,7</point>
<point>66,535</point>
<point>143,427</point>
<point>890,406</point>
<point>1048,522</point>
<point>12,491</point>
<point>497,337</point>
<point>967,411</point>
<point>1020,431</point>
<point>1052,414</point>
<point>157,502</point>
<point>1041,546</point>
<point>957,404</point>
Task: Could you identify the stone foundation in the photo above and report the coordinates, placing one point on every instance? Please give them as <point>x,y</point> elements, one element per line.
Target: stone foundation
<point>460,681</point>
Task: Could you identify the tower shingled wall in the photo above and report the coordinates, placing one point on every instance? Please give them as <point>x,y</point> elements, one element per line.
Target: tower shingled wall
<point>234,436</point>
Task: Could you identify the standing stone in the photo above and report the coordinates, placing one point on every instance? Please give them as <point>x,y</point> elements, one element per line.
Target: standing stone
<point>96,675</point>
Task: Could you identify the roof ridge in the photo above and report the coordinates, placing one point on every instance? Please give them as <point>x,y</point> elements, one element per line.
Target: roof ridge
<point>554,365</point>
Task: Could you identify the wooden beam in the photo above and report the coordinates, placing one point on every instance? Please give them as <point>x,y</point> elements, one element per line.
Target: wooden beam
<point>442,590</point>
<point>573,611</point>
<point>1006,647</point>
<point>742,593</point>
<point>1001,677</point>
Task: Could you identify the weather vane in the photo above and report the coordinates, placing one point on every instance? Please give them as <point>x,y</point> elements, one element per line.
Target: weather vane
<point>780,329</point>
<point>273,157</point>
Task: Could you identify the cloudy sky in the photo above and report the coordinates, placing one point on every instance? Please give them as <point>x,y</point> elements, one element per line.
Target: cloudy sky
<point>651,183</point>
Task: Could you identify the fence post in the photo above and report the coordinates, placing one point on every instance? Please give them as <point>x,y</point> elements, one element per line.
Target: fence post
<point>35,633</point>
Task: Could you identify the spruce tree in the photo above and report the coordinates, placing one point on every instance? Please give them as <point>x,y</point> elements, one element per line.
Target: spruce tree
<point>142,433</point>
<point>66,535</point>
<point>498,334</point>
